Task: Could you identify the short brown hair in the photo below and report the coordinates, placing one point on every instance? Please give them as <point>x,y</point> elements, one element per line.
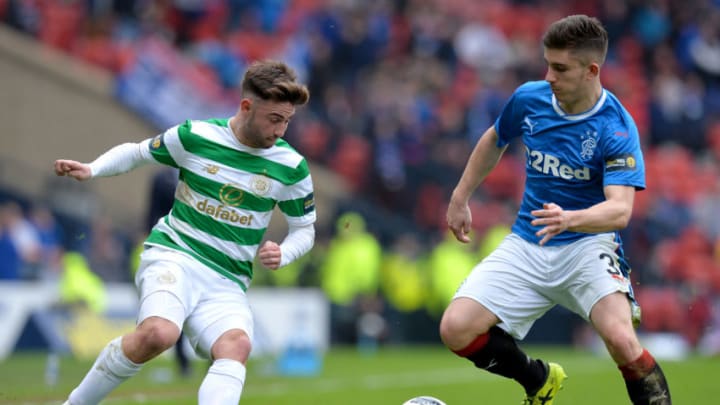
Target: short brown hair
<point>578,33</point>
<point>274,81</point>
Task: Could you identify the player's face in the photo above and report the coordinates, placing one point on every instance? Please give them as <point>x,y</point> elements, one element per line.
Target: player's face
<point>569,77</point>
<point>264,121</point>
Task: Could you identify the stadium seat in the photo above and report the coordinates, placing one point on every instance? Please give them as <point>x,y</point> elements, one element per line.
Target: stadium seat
<point>61,22</point>
<point>714,139</point>
<point>431,207</point>
<point>663,309</point>
<point>667,254</point>
<point>715,280</point>
<point>255,45</point>
<point>313,138</point>
<point>352,160</point>
<point>99,51</point>
<point>699,316</point>
<point>506,180</point>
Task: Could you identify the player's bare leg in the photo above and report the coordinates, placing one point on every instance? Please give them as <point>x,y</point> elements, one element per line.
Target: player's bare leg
<point>153,336</point>
<point>122,358</point>
<point>225,379</point>
<point>644,379</point>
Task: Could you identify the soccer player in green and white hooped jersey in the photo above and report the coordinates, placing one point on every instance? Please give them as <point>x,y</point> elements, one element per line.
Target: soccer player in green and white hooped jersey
<point>198,259</point>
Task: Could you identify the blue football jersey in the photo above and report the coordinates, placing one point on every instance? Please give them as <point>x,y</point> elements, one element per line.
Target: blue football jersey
<point>569,157</point>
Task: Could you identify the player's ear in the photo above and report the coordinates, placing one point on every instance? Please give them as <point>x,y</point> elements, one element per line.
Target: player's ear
<point>245,104</point>
<point>594,69</point>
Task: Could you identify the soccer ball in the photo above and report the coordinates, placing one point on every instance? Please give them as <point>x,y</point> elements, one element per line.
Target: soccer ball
<point>424,400</point>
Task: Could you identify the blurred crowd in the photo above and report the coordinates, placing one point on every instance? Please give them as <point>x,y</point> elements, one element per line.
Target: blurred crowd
<point>400,92</point>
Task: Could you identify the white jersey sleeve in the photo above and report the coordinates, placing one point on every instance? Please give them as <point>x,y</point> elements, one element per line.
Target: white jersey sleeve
<point>300,240</point>
<point>121,159</point>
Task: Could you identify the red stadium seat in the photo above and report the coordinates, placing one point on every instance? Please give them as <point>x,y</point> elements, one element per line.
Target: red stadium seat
<point>4,8</point>
<point>255,45</point>
<point>667,254</point>
<point>506,180</point>
<point>99,51</point>
<point>352,160</point>
<point>314,139</point>
<point>431,207</point>
<point>713,137</point>
<point>60,23</point>
<point>663,309</point>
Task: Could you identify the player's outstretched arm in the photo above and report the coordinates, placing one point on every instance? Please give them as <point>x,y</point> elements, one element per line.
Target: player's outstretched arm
<point>71,168</point>
<point>483,159</point>
<point>119,159</point>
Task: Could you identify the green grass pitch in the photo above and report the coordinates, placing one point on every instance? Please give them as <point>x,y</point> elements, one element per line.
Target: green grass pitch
<point>389,376</point>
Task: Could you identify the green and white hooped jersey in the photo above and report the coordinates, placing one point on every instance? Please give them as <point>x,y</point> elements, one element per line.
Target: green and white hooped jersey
<point>226,195</point>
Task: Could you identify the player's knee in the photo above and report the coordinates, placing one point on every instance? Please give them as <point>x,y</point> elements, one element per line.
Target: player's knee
<point>622,344</point>
<point>157,334</point>
<point>455,331</point>
<point>448,327</point>
<point>234,344</point>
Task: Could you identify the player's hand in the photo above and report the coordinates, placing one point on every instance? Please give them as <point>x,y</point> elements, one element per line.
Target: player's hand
<point>459,220</point>
<point>269,255</point>
<point>554,219</point>
<point>78,171</point>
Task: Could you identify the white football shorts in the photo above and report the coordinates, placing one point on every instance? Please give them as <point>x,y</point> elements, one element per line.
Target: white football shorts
<point>201,302</point>
<point>520,281</point>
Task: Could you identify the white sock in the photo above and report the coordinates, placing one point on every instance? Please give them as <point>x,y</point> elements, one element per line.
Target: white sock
<point>110,369</point>
<point>223,383</point>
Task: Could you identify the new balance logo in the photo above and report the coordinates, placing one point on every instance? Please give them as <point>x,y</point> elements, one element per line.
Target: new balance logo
<point>212,169</point>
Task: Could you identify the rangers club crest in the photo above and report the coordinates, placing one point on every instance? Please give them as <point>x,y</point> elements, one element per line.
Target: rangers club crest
<point>589,142</point>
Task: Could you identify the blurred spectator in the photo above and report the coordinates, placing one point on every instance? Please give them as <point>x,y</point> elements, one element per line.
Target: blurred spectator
<point>24,237</point>
<point>80,287</point>
<point>492,239</point>
<point>350,275</point>
<point>404,282</point>
<point>709,344</point>
<point>651,22</point>
<point>161,195</point>
<point>24,15</point>
<point>10,259</point>
<point>51,235</point>
<point>449,263</point>
<point>105,252</point>
<point>184,16</point>
<point>482,45</point>
<point>677,106</point>
<point>704,47</point>
<point>704,209</point>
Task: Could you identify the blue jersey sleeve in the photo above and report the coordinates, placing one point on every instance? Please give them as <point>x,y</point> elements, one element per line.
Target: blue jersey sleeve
<point>507,124</point>
<point>623,160</point>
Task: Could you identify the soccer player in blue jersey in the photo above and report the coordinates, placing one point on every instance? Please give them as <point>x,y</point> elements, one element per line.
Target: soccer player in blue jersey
<point>198,259</point>
<point>583,167</point>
